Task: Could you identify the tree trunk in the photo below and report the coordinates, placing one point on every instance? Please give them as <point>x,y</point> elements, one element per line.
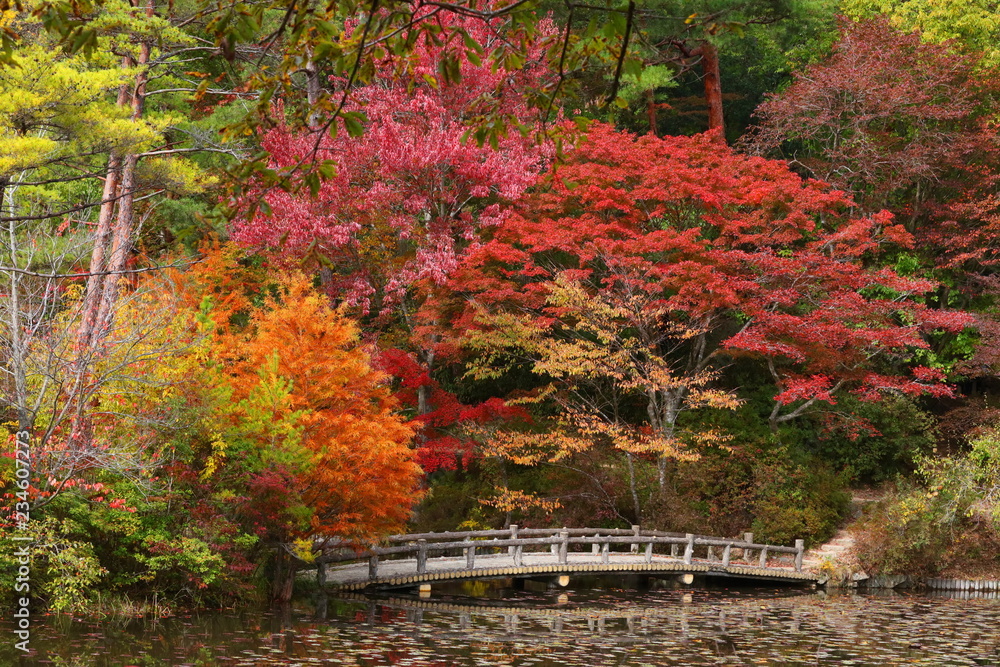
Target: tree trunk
<point>713,89</point>
<point>668,427</point>
<point>313,91</point>
<point>102,240</point>
<point>633,489</point>
<point>284,577</point>
<point>124,226</point>
<point>651,111</point>
<point>121,246</point>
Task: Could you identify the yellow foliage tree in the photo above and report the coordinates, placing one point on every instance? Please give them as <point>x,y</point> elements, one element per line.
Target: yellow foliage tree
<point>611,356</point>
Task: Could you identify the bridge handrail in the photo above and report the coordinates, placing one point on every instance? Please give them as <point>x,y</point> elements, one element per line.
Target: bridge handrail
<point>515,531</point>
<point>529,531</point>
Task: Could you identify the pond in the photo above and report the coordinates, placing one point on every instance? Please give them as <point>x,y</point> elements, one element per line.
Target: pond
<point>587,622</point>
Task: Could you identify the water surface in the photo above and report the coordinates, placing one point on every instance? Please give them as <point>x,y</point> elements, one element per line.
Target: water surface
<point>586,623</point>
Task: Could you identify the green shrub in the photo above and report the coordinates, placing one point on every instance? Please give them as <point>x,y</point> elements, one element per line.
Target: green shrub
<point>914,530</point>
<point>875,442</point>
<point>795,499</point>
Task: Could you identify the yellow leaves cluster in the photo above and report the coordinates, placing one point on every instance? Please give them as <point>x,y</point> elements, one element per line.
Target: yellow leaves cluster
<point>530,449</point>
<point>628,438</point>
<point>54,103</point>
<point>605,351</point>
<point>217,456</point>
<point>511,500</point>
<point>973,24</point>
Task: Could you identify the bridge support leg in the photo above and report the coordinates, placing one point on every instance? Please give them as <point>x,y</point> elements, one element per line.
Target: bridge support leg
<point>421,556</point>
<point>512,551</point>
<point>321,575</point>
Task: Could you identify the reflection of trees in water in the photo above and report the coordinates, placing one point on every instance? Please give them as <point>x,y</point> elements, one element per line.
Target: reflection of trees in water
<point>611,627</point>
<point>833,627</point>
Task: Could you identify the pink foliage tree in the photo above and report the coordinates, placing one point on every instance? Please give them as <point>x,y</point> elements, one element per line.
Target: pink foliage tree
<point>413,190</point>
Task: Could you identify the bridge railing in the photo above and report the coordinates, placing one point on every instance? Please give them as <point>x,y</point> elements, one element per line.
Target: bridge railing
<point>685,547</point>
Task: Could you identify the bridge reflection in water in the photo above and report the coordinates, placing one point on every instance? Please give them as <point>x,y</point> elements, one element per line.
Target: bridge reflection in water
<point>583,616</point>
<point>537,621</point>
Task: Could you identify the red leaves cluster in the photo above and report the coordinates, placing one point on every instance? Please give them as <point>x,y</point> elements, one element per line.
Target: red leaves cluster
<point>884,112</point>
<point>741,248</point>
<point>412,191</point>
<point>439,438</point>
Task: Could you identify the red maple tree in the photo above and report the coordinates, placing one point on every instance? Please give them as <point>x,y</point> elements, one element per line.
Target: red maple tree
<point>884,117</point>
<point>439,418</point>
<point>742,254</point>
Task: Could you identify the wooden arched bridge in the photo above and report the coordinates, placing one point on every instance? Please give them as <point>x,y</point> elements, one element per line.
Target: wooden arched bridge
<point>418,559</point>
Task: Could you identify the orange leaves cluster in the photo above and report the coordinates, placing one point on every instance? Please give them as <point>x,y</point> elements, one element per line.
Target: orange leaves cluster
<point>362,480</point>
<point>291,355</point>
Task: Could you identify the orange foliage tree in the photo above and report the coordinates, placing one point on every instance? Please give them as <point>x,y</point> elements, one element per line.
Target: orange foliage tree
<point>361,479</point>
<point>293,359</point>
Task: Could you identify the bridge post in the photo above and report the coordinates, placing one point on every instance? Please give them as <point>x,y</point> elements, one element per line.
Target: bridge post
<point>513,535</point>
<point>563,545</point>
<point>373,566</point>
<point>321,575</point>
<point>673,550</point>
<point>605,552</point>
<point>595,548</point>
<point>725,555</point>
<point>800,549</point>
<point>421,556</point>
<point>763,556</point>
<point>470,558</point>
<point>634,548</point>
<point>747,537</point>
<point>689,548</point>
<point>649,552</point>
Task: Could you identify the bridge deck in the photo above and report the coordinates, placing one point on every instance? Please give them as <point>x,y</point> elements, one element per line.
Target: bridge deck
<point>402,572</point>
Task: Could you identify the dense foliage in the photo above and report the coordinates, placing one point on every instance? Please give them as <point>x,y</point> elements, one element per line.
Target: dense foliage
<point>276,278</point>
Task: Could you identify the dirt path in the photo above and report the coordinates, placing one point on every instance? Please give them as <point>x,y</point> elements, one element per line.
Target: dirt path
<point>837,553</point>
